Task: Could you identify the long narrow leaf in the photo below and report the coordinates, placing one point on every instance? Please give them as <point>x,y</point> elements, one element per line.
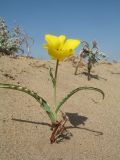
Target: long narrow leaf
<point>73,92</point>
<point>52,77</point>
<point>43,103</point>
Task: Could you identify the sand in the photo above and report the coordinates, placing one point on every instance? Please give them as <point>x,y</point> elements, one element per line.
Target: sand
<point>93,122</point>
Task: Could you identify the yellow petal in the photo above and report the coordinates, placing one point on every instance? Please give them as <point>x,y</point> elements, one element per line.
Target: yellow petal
<point>59,55</point>
<point>45,46</point>
<point>71,44</point>
<point>52,40</point>
<point>62,39</point>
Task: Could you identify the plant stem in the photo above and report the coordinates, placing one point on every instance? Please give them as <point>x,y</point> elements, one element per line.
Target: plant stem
<point>89,69</point>
<point>56,70</point>
<point>78,64</point>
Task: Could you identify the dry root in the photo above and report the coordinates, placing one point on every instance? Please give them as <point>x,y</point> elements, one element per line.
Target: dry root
<point>59,129</point>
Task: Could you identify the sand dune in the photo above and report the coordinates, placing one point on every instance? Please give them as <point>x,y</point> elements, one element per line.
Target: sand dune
<point>94,123</point>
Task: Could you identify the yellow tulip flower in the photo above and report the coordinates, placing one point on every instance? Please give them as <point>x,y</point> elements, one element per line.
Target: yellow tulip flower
<point>59,48</point>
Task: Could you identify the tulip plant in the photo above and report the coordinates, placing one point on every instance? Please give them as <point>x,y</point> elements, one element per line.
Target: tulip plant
<point>58,48</point>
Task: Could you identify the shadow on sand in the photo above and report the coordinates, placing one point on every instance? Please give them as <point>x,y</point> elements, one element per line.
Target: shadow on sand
<point>93,76</point>
<point>34,122</point>
<point>75,120</point>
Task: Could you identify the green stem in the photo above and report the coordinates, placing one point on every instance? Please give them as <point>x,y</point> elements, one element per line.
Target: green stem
<point>56,70</point>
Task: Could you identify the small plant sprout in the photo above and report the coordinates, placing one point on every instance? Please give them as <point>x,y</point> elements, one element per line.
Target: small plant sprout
<point>58,48</point>
<point>93,55</point>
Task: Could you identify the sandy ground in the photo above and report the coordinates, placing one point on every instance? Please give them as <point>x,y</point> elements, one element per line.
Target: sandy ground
<point>93,122</point>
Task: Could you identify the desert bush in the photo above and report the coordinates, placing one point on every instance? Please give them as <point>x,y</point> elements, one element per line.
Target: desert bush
<point>13,42</point>
<point>92,55</point>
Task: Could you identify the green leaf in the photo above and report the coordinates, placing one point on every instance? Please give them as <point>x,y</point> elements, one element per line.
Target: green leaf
<point>73,92</point>
<point>51,75</point>
<point>43,103</point>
